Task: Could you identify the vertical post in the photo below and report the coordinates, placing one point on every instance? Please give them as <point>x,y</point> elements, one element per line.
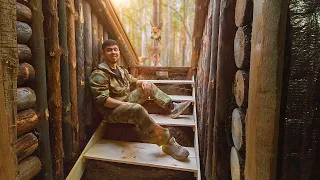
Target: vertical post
<point>38,49</point>
<point>73,76</point>
<point>95,48</point>
<point>8,88</point>
<point>54,86</point>
<point>267,55</point>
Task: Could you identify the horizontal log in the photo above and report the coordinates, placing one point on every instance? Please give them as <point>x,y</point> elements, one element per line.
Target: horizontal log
<point>236,165</point>
<point>243,12</point>
<point>241,87</point>
<point>24,53</point>
<point>26,98</point>
<point>242,47</point>
<point>24,32</point>
<point>29,167</point>
<point>23,13</point>
<point>26,73</point>
<point>26,121</point>
<point>26,145</point>
<point>238,129</point>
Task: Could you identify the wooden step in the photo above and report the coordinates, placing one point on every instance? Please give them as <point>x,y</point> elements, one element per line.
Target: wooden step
<point>182,120</point>
<point>139,154</point>
<point>170,81</point>
<point>180,98</point>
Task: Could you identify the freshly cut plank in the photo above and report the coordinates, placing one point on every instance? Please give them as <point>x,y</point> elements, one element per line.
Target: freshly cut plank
<point>238,129</point>
<point>170,81</point>
<point>181,98</point>
<point>139,154</point>
<point>182,120</point>
<point>241,87</point>
<point>236,165</point>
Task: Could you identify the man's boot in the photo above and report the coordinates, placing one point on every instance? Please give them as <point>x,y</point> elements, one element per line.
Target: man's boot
<point>175,150</point>
<point>179,108</point>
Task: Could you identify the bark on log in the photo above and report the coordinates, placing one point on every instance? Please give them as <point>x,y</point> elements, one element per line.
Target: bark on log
<point>73,77</point>
<point>212,86</point>
<point>26,98</point>
<point>80,71</point>
<point>88,60</point>
<point>241,88</point>
<point>100,41</point>
<point>38,47</point>
<point>29,167</point>
<point>238,129</point>
<point>242,47</point>
<point>65,89</point>
<point>266,71</point>
<point>54,86</point>
<point>105,35</point>
<point>225,76</point>
<point>24,32</point>
<point>236,165</point>
<point>27,121</point>
<point>23,13</point>
<point>26,145</point>
<point>24,53</point>
<point>26,73</point>
<point>243,12</point>
<point>200,14</point>
<point>95,41</point>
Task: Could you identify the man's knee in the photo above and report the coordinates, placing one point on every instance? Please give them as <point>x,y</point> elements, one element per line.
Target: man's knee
<point>137,108</point>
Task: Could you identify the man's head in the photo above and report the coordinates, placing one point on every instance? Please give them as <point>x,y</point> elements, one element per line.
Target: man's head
<point>111,51</point>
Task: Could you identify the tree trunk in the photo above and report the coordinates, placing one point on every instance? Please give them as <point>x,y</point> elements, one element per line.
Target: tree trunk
<point>65,89</point>
<point>95,48</point>
<point>54,86</point>
<point>242,47</point>
<point>37,46</point>
<point>243,12</point>
<point>24,53</point>
<point>236,165</point>
<point>26,145</point>
<point>155,17</point>
<point>241,88</point>
<point>100,41</point>
<point>73,76</point>
<point>238,129</point>
<point>29,167</point>
<point>211,90</point>
<point>105,34</point>
<point>27,121</point>
<point>26,98</point>
<point>26,73</point>
<point>24,32</point>
<point>23,13</point>
<point>225,75</point>
<point>80,71</point>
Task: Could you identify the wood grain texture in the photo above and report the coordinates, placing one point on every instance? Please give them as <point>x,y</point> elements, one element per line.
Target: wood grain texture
<point>23,13</point>
<point>241,88</point>
<point>242,47</point>
<point>236,165</point>
<point>238,129</point>
<point>26,98</point>
<point>139,154</point>
<point>24,53</point>
<point>27,121</point>
<point>29,167</point>
<point>243,12</point>
<point>265,84</point>
<point>26,73</point>
<point>24,32</point>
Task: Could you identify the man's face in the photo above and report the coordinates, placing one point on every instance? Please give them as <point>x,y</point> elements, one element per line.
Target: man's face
<point>112,53</point>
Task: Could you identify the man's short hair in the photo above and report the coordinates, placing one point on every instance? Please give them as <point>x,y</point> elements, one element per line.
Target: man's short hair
<point>109,42</point>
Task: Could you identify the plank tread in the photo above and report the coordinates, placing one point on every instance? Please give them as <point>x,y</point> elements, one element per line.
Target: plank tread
<point>182,120</point>
<point>180,98</point>
<point>170,81</point>
<point>143,154</point>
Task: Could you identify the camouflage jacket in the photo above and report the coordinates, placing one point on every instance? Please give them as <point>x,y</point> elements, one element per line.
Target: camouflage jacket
<point>104,83</point>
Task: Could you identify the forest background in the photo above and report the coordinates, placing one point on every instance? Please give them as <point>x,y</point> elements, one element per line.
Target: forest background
<point>177,18</point>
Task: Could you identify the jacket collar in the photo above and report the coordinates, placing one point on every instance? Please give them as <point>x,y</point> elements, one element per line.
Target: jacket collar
<point>104,67</point>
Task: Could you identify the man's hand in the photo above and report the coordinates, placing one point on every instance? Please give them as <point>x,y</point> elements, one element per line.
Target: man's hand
<point>146,86</point>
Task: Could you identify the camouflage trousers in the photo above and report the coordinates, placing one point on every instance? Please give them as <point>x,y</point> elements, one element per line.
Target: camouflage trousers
<point>135,113</point>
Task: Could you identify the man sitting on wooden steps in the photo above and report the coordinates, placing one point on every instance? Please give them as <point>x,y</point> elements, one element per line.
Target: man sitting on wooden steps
<point>111,87</point>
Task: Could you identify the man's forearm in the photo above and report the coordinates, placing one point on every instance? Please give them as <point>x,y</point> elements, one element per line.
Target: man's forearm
<point>139,83</point>
<point>112,103</point>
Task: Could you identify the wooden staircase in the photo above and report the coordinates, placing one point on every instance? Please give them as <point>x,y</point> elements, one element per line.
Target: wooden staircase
<point>143,154</point>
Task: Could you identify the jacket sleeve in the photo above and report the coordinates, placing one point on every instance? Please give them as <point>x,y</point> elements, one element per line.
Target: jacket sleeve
<point>99,85</point>
<point>132,79</point>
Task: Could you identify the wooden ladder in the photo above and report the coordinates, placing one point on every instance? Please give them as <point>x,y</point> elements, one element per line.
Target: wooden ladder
<point>143,154</point>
